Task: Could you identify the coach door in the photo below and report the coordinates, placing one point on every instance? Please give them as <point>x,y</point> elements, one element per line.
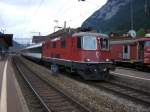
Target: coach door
<point>126,52</point>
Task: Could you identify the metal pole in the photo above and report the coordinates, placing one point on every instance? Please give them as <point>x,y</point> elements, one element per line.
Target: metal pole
<point>3,30</point>
<point>54,28</point>
<point>131,9</point>
<point>65,25</point>
<point>56,21</point>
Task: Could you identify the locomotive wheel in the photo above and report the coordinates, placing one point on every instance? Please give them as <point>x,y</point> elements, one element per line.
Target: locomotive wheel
<point>54,68</point>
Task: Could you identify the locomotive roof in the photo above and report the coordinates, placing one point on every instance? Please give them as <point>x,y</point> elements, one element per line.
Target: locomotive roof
<point>55,39</point>
<point>90,33</point>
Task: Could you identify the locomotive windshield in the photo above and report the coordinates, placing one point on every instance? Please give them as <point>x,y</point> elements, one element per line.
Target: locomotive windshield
<point>147,43</point>
<point>89,43</point>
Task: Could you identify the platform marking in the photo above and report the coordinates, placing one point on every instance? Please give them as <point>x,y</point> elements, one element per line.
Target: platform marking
<point>3,102</point>
<point>130,76</point>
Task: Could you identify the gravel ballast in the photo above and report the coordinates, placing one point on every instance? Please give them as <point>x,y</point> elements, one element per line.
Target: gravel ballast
<point>97,100</point>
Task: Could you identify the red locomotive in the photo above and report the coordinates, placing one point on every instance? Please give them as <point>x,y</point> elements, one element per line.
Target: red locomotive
<point>133,51</point>
<point>85,53</point>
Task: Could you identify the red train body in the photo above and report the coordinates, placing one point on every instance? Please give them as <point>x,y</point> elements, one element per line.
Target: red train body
<point>83,52</point>
<point>134,51</point>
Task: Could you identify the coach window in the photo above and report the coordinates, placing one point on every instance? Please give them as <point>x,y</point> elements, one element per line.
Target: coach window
<point>38,50</point>
<point>125,48</point>
<point>147,43</point>
<point>63,43</point>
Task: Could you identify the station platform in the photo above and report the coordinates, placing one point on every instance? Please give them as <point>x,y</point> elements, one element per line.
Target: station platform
<point>10,93</point>
<point>133,73</point>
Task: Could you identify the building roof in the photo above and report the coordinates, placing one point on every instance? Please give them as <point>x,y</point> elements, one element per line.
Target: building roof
<point>39,39</point>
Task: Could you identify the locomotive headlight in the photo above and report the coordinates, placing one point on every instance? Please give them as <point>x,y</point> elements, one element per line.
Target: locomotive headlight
<point>148,49</point>
<point>107,59</point>
<point>87,59</point>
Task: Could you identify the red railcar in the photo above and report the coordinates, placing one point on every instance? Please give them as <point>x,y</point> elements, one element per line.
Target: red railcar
<point>144,48</point>
<point>135,51</point>
<point>83,52</point>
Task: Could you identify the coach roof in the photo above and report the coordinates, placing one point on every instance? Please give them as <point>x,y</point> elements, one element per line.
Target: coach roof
<point>34,46</point>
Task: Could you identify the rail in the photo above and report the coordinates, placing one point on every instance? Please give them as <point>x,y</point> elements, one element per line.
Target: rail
<point>53,99</point>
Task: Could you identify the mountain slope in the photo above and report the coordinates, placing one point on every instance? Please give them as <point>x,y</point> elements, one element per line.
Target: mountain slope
<point>115,16</point>
<point>17,45</point>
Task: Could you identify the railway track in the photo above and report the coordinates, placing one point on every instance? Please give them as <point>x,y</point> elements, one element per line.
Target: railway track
<point>136,95</point>
<point>134,69</point>
<point>127,91</point>
<point>52,99</point>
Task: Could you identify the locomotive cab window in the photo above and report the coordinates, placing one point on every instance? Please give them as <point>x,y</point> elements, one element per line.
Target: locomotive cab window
<point>89,43</point>
<point>104,44</point>
<point>79,42</point>
<point>53,44</point>
<point>63,43</point>
<point>147,43</point>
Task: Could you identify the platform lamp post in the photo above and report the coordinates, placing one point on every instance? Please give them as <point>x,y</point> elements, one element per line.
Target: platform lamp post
<point>56,22</point>
<point>131,32</point>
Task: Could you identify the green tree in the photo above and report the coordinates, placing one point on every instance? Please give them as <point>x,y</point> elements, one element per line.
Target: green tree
<point>141,32</point>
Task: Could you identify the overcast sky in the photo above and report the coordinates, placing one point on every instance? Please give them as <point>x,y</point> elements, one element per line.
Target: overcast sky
<point>23,17</point>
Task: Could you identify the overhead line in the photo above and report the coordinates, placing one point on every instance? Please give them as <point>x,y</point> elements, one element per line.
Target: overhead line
<point>61,8</point>
<point>42,1</point>
<point>35,12</point>
<point>67,8</point>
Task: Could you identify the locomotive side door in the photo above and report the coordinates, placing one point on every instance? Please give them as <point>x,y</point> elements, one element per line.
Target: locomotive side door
<point>140,51</point>
<point>126,52</point>
<point>75,51</point>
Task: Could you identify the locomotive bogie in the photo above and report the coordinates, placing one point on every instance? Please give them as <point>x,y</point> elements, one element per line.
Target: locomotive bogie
<point>88,70</point>
<point>99,71</point>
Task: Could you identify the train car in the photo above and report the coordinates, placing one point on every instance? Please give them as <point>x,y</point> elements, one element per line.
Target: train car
<point>82,52</point>
<point>144,51</point>
<point>133,51</point>
<point>33,52</point>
